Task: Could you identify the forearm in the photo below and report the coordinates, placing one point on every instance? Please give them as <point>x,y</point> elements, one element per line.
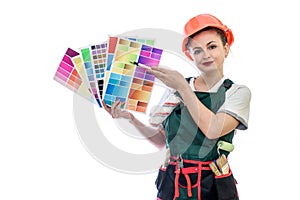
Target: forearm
<point>206,120</point>
<point>155,136</point>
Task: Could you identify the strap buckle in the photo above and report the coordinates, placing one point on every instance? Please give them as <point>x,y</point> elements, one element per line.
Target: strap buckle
<point>179,161</point>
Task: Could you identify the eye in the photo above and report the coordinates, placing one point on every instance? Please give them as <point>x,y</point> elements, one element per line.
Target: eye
<point>197,51</point>
<point>211,47</point>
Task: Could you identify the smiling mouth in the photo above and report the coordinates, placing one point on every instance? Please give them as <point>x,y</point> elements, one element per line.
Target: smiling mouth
<point>207,63</point>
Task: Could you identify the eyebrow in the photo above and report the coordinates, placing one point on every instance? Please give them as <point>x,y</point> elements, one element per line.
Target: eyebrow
<point>210,42</point>
<point>206,45</point>
<point>197,48</point>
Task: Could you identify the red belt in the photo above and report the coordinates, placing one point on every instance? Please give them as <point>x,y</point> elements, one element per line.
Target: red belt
<point>200,165</point>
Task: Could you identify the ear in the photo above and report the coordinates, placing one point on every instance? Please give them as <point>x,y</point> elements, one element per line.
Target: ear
<point>187,53</point>
<point>226,49</point>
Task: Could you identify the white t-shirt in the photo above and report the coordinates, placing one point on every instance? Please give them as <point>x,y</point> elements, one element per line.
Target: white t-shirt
<point>237,101</point>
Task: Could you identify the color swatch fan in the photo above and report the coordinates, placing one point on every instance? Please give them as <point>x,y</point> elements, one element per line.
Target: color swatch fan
<point>112,70</point>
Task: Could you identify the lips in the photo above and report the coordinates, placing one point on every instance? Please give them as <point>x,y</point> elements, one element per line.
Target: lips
<point>207,63</point>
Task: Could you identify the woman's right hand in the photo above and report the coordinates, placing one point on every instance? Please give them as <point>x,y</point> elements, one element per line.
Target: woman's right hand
<point>115,110</point>
<point>155,136</point>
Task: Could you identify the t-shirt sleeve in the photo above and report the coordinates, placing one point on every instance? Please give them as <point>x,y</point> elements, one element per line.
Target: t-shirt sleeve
<point>237,104</point>
<point>166,105</point>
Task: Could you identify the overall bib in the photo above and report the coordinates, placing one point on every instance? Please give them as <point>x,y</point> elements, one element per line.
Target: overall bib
<point>188,175</point>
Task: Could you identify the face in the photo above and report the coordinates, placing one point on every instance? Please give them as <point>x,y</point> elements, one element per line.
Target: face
<point>208,51</point>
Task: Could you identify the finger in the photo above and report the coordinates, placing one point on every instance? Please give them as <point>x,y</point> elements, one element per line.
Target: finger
<point>113,108</point>
<point>115,104</point>
<point>161,69</point>
<point>155,72</point>
<point>108,109</point>
<point>159,75</point>
<point>119,106</point>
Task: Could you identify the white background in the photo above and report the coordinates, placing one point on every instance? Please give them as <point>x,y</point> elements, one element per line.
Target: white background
<point>41,154</point>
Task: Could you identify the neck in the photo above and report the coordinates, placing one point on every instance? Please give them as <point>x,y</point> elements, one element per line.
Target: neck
<point>207,81</point>
<point>211,80</point>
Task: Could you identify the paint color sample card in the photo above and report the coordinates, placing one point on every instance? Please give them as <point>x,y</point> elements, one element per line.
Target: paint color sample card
<point>98,52</point>
<point>130,83</point>
<point>78,64</point>
<point>144,41</point>
<point>141,87</point>
<point>112,43</point>
<point>68,76</point>
<point>88,67</point>
<point>111,48</point>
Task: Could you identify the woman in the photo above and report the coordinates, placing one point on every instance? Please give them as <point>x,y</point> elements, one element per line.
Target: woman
<point>211,109</point>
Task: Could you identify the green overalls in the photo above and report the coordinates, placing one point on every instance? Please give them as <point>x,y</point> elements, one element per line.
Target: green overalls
<point>185,140</point>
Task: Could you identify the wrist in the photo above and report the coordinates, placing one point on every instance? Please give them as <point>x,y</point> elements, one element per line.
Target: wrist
<point>183,90</point>
<point>131,117</point>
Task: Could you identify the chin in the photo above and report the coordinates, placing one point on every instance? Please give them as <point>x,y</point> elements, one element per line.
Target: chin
<point>206,69</point>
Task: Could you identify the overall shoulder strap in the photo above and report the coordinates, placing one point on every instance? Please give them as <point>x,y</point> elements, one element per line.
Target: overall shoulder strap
<point>188,79</point>
<point>227,84</point>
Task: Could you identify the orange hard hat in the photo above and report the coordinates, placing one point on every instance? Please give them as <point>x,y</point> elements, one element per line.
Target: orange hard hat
<point>200,22</point>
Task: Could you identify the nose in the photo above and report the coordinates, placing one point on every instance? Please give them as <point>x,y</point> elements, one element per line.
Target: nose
<point>205,54</point>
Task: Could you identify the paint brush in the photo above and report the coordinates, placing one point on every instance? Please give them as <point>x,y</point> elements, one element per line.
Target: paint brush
<point>223,164</point>
<point>214,168</point>
<point>139,64</point>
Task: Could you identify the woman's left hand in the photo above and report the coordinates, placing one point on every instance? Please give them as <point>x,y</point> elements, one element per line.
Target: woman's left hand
<point>171,78</point>
<point>115,110</point>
